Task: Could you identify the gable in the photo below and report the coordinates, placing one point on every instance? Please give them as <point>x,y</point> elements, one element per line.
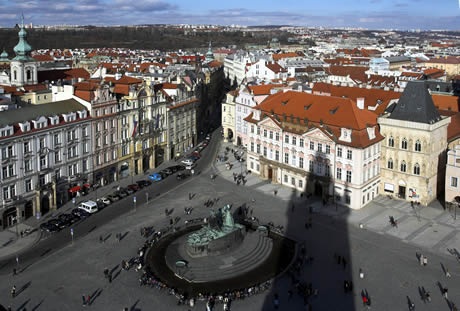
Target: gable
<point>317,134</point>
<point>268,122</point>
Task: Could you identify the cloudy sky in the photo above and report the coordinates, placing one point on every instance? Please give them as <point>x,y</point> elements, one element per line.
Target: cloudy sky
<point>401,14</point>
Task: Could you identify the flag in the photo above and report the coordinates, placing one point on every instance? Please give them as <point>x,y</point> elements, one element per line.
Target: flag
<point>134,129</point>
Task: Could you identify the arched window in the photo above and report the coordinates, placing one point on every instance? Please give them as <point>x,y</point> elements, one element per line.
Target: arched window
<point>416,169</point>
<point>15,75</point>
<point>418,146</point>
<point>391,142</point>
<point>404,144</point>
<point>390,164</point>
<point>29,76</point>
<point>403,166</point>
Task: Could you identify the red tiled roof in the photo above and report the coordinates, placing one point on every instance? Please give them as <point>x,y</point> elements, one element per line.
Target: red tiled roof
<point>263,89</point>
<point>121,89</point>
<point>275,67</point>
<point>371,96</point>
<point>279,56</point>
<point>330,114</point>
<point>317,108</point>
<point>128,80</point>
<point>183,104</point>
<point>43,58</point>
<point>446,102</point>
<point>445,60</point>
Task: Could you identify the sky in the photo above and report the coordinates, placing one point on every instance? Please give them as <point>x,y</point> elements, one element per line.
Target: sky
<point>372,14</point>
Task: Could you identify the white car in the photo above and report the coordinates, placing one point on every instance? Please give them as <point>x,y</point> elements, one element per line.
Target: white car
<point>187,162</point>
<point>88,206</point>
<point>105,201</point>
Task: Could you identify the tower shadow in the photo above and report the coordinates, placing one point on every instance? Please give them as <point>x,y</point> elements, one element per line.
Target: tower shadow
<point>321,275</point>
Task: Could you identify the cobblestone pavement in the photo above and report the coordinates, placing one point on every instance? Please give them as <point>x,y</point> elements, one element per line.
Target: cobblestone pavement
<point>386,255</point>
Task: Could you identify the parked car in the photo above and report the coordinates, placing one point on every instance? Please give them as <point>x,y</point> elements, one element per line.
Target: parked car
<point>180,167</point>
<point>121,193</point>
<point>134,187</point>
<point>181,176</point>
<point>113,197</point>
<point>173,168</point>
<point>200,148</point>
<point>167,171</point>
<point>188,161</point>
<point>191,166</point>
<point>156,177</point>
<point>128,190</point>
<point>105,200</point>
<point>193,157</point>
<point>80,213</point>
<point>100,204</point>
<point>89,206</point>
<point>51,225</point>
<point>63,223</point>
<point>196,154</point>
<point>144,183</point>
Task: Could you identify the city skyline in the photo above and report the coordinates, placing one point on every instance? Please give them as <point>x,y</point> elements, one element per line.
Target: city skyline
<point>371,14</point>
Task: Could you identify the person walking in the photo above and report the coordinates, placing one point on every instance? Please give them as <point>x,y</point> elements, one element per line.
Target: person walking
<point>444,292</point>
<point>101,239</point>
<point>447,273</point>
<point>13,291</point>
<point>110,277</point>
<point>88,300</point>
<point>83,298</point>
<point>14,272</point>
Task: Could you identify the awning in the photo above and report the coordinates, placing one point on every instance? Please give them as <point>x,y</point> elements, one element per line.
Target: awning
<point>389,187</point>
<point>87,185</point>
<point>75,189</point>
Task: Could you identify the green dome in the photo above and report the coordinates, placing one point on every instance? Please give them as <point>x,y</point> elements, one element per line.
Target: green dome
<point>22,49</point>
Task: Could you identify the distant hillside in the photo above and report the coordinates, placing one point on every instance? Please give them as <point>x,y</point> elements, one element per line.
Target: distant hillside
<point>153,37</point>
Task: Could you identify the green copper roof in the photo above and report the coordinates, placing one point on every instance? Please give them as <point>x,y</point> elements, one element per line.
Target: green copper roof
<point>23,49</point>
<point>4,56</point>
<point>209,55</point>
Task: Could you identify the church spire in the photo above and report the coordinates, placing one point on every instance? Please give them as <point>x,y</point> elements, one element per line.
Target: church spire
<point>209,55</point>
<point>22,49</point>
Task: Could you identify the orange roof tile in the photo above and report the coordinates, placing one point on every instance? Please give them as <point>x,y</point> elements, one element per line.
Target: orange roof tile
<point>121,89</point>
<point>128,80</point>
<point>286,55</point>
<point>263,89</point>
<point>446,102</point>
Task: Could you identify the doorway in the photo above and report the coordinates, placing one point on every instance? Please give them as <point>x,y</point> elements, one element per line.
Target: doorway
<point>270,173</point>
<point>45,205</point>
<point>402,192</point>
<point>318,189</point>
<point>28,209</point>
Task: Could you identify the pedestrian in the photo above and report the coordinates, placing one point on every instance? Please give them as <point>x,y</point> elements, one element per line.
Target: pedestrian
<point>88,300</point>
<point>345,286</point>
<point>101,239</point>
<point>444,292</point>
<point>421,259</point>
<point>344,262</point>
<point>425,260</point>
<point>83,298</point>
<point>110,277</point>
<point>275,192</point>
<point>9,308</point>
<point>364,300</point>
<point>447,273</point>
<point>14,272</point>
<point>13,291</point>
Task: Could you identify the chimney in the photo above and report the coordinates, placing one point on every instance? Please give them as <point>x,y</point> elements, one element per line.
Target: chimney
<point>118,76</point>
<point>360,102</point>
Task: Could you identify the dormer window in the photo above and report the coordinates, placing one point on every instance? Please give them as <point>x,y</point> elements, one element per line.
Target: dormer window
<point>54,120</point>
<point>25,127</point>
<point>371,132</point>
<point>345,135</point>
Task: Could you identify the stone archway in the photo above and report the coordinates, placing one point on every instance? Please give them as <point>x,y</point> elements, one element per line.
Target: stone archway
<point>229,134</point>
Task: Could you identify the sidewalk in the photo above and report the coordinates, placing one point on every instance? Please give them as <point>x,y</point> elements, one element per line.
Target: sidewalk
<point>429,227</point>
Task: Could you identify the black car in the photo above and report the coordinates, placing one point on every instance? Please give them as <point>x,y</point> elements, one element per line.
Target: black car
<point>181,176</point>
<point>167,171</point>
<point>144,183</point>
<point>173,168</point>
<point>100,205</point>
<point>128,190</point>
<point>80,213</point>
<point>63,223</point>
<point>179,167</point>
<point>51,225</point>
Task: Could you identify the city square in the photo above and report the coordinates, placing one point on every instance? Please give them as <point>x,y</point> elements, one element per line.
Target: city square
<point>58,275</point>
